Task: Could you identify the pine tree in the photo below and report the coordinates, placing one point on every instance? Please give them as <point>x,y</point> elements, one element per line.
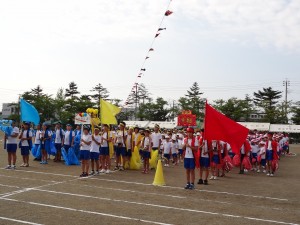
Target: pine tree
<point>100,92</point>
<point>72,91</point>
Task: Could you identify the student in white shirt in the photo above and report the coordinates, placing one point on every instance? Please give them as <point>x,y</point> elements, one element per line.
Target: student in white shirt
<point>146,146</point>
<point>69,137</point>
<point>174,150</point>
<point>11,147</point>
<point>59,136</point>
<point>85,146</point>
<point>129,145</point>
<point>190,145</point>
<point>156,137</point>
<point>26,139</point>
<point>167,150</point>
<point>104,150</point>
<point>120,141</point>
<point>95,151</point>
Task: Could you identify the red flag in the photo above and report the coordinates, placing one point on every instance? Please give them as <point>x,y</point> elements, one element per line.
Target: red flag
<point>168,13</point>
<point>219,127</point>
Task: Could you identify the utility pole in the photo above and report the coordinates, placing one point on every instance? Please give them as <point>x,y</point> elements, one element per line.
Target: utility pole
<point>136,100</point>
<point>286,83</point>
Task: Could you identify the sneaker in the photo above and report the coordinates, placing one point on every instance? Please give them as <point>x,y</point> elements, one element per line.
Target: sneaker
<point>107,171</point>
<point>116,168</point>
<point>272,174</point>
<point>211,178</point>
<point>13,167</point>
<point>121,168</point>
<point>192,186</point>
<point>187,186</point>
<point>215,178</point>
<point>205,182</point>
<point>26,165</point>
<point>92,173</point>
<point>264,171</point>
<point>45,162</point>
<point>245,170</point>
<point>268,174</point>
<point>200,181</point>
<point>82,175</point>
<point>258,171</point>
<point>102,171</point>
<point>8,167</point>
<point>42,162</point>
<point>22,165</point>
<point>97,172</point>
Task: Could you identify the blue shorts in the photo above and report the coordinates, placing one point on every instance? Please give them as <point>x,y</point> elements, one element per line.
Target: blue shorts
<point>174,155</point>
<point>216,159</point>
<point>180,151</point>
<point>84,155</point>
<point>167,156</point>
<point>263,162</point>
<point>11,147</point>
<point>254,156</point>
<point>128,153</point>
<point>189,163</point>
<point>204,162</point>
<point>58,147</point>
<point>120,151</point>
<point>231,154</point>
<point>146,155</point>
<point>141,152</point>
<point>269,155</point>
<point>94,155</point>
<point>285,147</point>
<point>24,150</point>
<point>66,147</point>
<point>104,151</point>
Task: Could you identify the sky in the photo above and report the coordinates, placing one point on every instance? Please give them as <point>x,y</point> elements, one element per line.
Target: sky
<point>230,47</point>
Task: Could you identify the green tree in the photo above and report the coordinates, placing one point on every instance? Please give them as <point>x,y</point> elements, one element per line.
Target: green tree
<point>296,113</point>
<point>232,108</point>
<point>267,100</point>
<point>100,92</point>
<point>41,101</point>
<point>155,111</point>
<point>193,101</point>
<point>72,91</point>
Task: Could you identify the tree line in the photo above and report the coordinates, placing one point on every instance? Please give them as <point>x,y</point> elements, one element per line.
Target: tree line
<point>262,106</point>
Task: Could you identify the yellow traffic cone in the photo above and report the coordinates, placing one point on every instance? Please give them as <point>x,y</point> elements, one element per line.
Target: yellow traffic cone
<point>159,175</point>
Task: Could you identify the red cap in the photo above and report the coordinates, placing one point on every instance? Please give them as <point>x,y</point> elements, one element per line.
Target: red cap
<point>190,130</point>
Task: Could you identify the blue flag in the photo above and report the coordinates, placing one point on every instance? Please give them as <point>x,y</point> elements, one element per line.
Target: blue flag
<point>29,112</point>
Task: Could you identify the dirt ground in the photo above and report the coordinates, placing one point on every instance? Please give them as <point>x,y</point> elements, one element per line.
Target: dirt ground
<point>54,194</point>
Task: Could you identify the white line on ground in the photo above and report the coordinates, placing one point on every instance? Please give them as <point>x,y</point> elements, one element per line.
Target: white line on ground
<point>25,178</point>
<point>10,186</point>
<point>164,207</point>
<point>88,212</point>
<point>138,183</point>
<point>19,221</point>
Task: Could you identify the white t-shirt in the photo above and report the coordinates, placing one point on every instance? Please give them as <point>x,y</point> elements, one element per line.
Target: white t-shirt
<point>167,147</point>
<point>67,140</point>
<point>37,139</point>
<point>104,142</point>
<point>254,149</point>
<point>205,150</point>
<point>262,152</point>
<point>155,137</point>
<point>86,138</point>
<point>57,136</point>
<point>13,140</point>
<point>120,137</point>
<point>163,141</point>
<point>174,147</point>
<point>188,150</point>
<point>94,146</point>
<point>146,142</point>
<point>180,143</point>
<point>42,134</point>
<point>129,141</point>
<point>269,145</point>
<point>25,142</point>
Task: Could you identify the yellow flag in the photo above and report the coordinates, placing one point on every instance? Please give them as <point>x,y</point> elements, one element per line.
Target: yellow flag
<point>108,112</point>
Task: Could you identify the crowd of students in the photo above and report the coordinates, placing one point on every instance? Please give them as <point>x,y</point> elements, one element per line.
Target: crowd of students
<point>96,148</point>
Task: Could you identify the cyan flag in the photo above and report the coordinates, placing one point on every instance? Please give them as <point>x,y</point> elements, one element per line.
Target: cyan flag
<point>29,113</point>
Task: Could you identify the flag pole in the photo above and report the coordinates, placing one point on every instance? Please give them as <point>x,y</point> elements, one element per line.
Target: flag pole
<point>204,124</point>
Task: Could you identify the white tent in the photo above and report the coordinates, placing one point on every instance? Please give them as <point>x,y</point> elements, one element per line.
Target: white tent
<point>140,124</point>
<point>285,128</point>
<point>257,126</point>
<point>163,124</point>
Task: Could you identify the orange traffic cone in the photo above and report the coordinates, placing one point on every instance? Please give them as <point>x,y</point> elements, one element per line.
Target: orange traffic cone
<point>159,175</point>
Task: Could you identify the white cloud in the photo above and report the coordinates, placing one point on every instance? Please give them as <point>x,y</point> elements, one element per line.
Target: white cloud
<point>268,23</point>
